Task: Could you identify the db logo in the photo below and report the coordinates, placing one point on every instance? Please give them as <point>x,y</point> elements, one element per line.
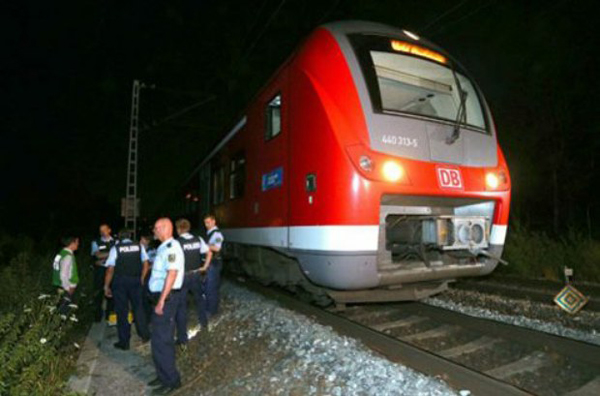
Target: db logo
<point>449,178</point>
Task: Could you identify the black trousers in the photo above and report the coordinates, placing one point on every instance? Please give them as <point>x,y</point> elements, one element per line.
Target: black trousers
<point>212,284</point>
<point>66,299</point>
<point>99,273</point>
<point>163,341</point>
<point>146,303</point>
<point>192,282</point>
<point>128,290</point>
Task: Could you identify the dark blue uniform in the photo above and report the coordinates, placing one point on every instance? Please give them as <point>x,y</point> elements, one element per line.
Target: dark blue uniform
<point>193,248</point>
<point>103,246</point>
<point>127,258</point>
<point>169,256</point>
<point>213,276</point>
<point>146,305</point>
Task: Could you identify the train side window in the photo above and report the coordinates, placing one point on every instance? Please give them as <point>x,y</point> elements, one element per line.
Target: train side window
<point>311,182</point>
<point>237,176</point>
<point>273,117</point>
<point>218,185</point>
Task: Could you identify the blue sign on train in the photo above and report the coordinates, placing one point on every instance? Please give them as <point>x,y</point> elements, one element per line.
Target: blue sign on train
<point>272,179</point>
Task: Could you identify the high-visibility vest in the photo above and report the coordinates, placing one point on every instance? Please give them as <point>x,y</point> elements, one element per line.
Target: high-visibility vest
<point>74,278</point>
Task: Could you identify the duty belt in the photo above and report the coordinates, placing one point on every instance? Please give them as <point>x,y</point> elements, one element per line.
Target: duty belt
<point>155,296</point>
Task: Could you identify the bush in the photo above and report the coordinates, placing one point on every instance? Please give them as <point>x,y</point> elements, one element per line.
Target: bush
<point>38,347</point>
<point>534,254</point>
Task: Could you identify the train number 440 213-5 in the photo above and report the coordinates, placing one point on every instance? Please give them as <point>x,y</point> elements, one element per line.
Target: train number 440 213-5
<point>394,140</point>
<point>449,178</point>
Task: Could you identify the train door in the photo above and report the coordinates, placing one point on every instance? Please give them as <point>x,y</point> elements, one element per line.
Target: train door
<point>272,160</point>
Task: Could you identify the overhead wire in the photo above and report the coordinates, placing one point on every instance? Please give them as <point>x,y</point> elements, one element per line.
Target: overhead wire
<point>336,3</point>
<point>179,113</point>
<point>466,16</point>
<point>264,29</point>
<point>260,10</point>
<point>443,15</point>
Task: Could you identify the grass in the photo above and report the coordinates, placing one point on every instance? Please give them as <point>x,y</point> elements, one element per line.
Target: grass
<point>38,347</point>
<point>534,254</point>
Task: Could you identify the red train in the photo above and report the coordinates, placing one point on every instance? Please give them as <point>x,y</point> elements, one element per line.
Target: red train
<point>366,169</point>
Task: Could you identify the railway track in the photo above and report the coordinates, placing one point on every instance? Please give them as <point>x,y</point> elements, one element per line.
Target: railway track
<point>533,361</point>
<point>539,291</point>
<point>483,356</point>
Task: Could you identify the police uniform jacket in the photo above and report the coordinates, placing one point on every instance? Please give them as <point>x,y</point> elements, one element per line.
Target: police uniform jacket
<point>102,245</point>
<point>127,257</point>
<point>215,238</point>
<point>193,249</point>
<point>169,256</point>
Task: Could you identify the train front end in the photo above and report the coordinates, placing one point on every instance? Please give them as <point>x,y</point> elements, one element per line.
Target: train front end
<point>428,180</point>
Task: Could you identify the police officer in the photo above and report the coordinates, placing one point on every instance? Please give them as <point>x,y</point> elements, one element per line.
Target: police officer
<point>148,243</point>
<point>213,276</point>
<point>193,249</point>
<point>100,249</point>
<point>165,284</point>
<point>126,269</point>
<point>64,272</point>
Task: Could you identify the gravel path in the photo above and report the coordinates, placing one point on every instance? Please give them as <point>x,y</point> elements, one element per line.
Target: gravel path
<point>255,347</point>
<point>584,326</point>
<point>258,348</point>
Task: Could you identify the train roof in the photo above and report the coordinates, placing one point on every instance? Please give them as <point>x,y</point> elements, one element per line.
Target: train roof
<point>339,29</point>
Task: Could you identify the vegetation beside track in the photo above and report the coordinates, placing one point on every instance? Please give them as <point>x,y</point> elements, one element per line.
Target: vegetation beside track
<point>535,254</point>
<point>38,347</point>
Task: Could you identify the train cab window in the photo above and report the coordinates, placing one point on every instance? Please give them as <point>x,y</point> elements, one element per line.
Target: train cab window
<point>218,185</point>
<point>413,85</point>
<point>273,117</point>
<point>237,176</point>
<point>410,79</point>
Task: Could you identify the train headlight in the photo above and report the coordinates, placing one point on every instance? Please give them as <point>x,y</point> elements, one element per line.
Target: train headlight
<point>392,171</point>
<point>365,163</point>
<point>496,180</point>
<point>379,167</point>
<point>492,181</point>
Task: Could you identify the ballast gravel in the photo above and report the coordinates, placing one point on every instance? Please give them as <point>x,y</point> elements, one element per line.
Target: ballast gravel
<point>583,326</point>
<point>257,347</point>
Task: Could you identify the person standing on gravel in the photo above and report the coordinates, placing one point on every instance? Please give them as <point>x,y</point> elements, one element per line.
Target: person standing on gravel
<point>165,284</point>
<point>64,273</point>
<point>193,249</point>
<point>213,276</point>
<point>148,243</point>
<point>100,249</point>
<point>126,269</point>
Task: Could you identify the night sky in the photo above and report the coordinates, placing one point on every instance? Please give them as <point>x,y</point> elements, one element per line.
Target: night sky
<point>67,71</point>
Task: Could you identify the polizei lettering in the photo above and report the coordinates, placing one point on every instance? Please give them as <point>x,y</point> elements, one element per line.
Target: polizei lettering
<point>191,246</point>
<point>128,249</point>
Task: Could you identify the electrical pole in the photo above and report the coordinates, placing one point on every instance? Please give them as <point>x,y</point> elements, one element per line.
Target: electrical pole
<point>130,206</point>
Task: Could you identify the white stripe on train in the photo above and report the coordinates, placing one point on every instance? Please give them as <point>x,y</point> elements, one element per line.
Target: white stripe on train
<point>325,238</point>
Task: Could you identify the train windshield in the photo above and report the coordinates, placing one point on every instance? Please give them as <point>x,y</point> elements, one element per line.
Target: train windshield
<point>413,84</point>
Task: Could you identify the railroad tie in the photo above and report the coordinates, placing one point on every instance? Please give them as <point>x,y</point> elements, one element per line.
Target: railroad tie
<point>356,315</point>
<point>470,347</point>
<point>529,363</point>
<point>440,331</point>
<point>405,322</point>
<point>591,388</point>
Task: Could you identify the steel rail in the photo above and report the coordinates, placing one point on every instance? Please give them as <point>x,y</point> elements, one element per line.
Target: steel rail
<point>457,375</point>
<point>522,292</point>
<point>575,349</point>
